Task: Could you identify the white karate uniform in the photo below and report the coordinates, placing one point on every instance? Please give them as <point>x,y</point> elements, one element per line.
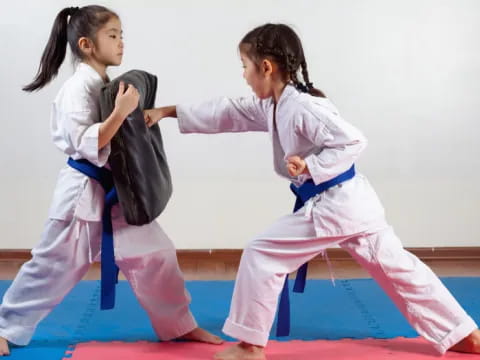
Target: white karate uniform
<point>71,240</point>
<point>349,215</point>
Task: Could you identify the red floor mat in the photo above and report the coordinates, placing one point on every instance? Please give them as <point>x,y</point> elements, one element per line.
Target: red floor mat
<point>371,349</point>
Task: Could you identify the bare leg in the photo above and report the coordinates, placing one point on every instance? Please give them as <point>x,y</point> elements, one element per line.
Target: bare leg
<point>241,351</point>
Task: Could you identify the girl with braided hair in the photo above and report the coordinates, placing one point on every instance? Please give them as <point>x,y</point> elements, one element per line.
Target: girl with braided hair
<point>71,238</point>
<point>315,149</point>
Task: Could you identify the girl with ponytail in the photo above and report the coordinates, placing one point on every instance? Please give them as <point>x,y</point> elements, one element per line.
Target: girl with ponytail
<point>315,150</point>
<point>71,238</point>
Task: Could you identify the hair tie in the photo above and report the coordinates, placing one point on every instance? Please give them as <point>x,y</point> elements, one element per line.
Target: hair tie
<point>300,86</point>
<point>309,85</point>
<point>72,10</point>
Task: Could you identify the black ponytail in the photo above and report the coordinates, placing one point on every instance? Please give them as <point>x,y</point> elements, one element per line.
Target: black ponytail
<point>71,24</point>
<point>280,43</point>
<point>54,52</point>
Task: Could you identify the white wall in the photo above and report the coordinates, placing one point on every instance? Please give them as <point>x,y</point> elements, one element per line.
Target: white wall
<point>405,72</point>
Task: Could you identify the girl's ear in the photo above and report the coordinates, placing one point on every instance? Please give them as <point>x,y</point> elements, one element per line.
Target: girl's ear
<point>267,67</point>
<point>85,45</point>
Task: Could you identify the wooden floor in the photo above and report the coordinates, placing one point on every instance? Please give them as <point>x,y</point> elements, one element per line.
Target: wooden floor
<point>318,269</point>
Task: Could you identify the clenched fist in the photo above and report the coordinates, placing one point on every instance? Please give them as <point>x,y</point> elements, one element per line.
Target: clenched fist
<point>296,166</point>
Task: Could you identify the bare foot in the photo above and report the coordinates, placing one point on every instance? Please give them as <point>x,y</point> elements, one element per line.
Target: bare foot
<point>201,335</point>
<point>4,350</point>
<point>241,351</point>
<point>470,344</point>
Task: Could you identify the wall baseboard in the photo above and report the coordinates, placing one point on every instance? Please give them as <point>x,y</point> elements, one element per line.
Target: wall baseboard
<point>233,255</point>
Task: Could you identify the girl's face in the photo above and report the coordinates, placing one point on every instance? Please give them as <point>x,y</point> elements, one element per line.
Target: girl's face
<point>257,77</point>
<point>108,47</point>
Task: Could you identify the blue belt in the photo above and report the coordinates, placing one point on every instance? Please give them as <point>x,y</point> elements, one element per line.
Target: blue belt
<point>109,270</point>
<point>303,193</point>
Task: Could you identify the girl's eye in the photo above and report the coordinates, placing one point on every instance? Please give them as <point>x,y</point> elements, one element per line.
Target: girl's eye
<point>113,36</point>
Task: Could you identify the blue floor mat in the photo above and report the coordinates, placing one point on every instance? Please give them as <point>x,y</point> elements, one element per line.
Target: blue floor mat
<point>58,330</point>
<point>352,309</point>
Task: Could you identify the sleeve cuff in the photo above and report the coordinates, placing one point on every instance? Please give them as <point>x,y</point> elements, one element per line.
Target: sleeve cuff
<point>314,169</point>
<point>182,119</point>
<point>89,147</point>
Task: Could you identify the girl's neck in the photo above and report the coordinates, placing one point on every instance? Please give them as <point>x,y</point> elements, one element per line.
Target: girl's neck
<point>101,69</point>
<point>278,87</point>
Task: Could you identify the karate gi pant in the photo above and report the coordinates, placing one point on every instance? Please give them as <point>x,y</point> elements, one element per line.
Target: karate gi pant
<point>291,241</point>
<point>144,254</point>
